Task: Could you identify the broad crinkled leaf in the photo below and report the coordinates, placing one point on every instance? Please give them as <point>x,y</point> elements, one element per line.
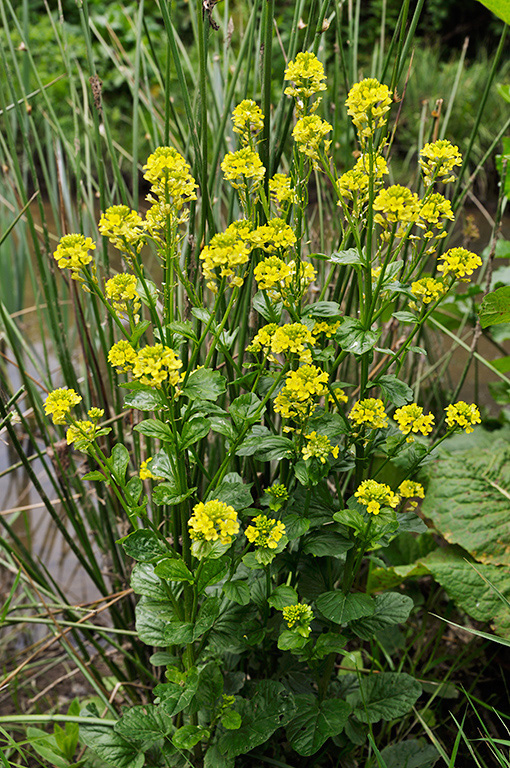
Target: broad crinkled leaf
<point>495,307</point>
<point>204,384</point>
<point>145,582</point>
<point>341,608</point>
<point>143,545</point>
<point>384,696</point>
<point>413,753</point>
<point>390,608</point>
<point>110,746</point>
<point>353,337</point>
<point>315,722</point>
<point>147,723</point>
<point>468,500</point>
<point>152,616</point>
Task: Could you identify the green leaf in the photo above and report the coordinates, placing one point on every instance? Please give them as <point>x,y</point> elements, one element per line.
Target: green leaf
<point>183,328</point>
<point>210,685</point>
<point>156,429</point>
<point>388,578</point>
<point>390,608</point>
<point>265,446</point>
<point>329,642</point>
<point>295,525</point>
<point>413,753</point>
<point>315,722</point>
<point>384,696</point>
<point>45,745</point>
<point>194,430</point>
<point>238,591</point>
<point>109,745</point>
<point>211,572</point>
<point>245,409</point>
<point>231,720</point>
<point>405,317</point>
<point>270,707</point>
<point>145,723</point>
<point>322,309</point>
<point>95,475</point>
<point>133,490</point>
<point>283,596</point>
<point>143,545</point>
<point>176,696</point>
<point>148,400</point>
<point>178,633</point>
<point>270,312</point>
<point>341,609</point>
<point>326,543</point>
<point>173,569</point>
<point>495,307</point>
<point>204,384</point>
<point>468,500</point>
<point>162,465</point>
<point>119,461</point>
<point>152,616</point>
<point>500,8</point>
<point>145,582</point>
<point>234,492</point>
<point>289,640</point>
<point>189,735</point>
<point>139,331</point>
<point>350,256</point>
<point>162,659</point>
<point>395,390</point>
<point>353,337</point>
<point>167,493</point>
<point>207,615</point>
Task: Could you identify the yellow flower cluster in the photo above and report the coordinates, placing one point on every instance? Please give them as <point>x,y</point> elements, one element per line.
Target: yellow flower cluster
<point>281,190</point>
<point>301,387</point>
<point>242,165</point>
<point>369,411</point>
<point>370,165</point>
<point>278,495</point>
<point>270,273</point>
<point>374,495</point>
<point>462,414</point>
<point>309,133</point>
<point>328,329</point>
<point>83,432</point>
<point>437,161</point>
<point>307,74</point>
<point>433,213</point>
<point>212,521</point>
<point>289,338</point>
<point>145,473</point>
<point>408,489</point>
<point>59,403</point>
<point>227,251</point>
<point>459,262</point>
<point>73,253</point>
<point>123,227</point>
<point>122,356</point>
<point>398,205</point>
<point>121,289</point>
<point>157,364</point>
<point>352,185</point>
<point>427,289</point>
<point>367,103</point>
<point>275,235</point>
<point>169,175</point>
<point>300,277</point>
<point>266,532</point>
<point>248,120</point>
<point>298,617</point>
<point>410,418</point>
<point>339,396</point>
<point>319,446</point>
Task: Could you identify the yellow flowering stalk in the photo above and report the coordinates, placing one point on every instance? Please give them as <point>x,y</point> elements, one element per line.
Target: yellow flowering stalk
<point>367,103</point>
<point>427,289</point>
<point>278,495</point>
<point>372,165</point>
<point>121,291</point>
<point>397,206</point>
<point>271,275</point>
<point>73,253</point>
<point>170,178</point>
<point>123,227</point>
<point>226,253</point>
<point>306,73</point>
<point>242,166</point>
<point>289,338</point>
<point>410,418</point>
<point>301,387</point>
<point>299,280</point>
<point>319,446</point>
<point>374,495</point>
<point>213,521</point>
<point>369,411</point>
<point>433,213</point>
<point>58,404</point>
<point>122,356</point>
<point>354,184</point>
<point>328,329</point>
<point>410,491</point>
<point>462,415</point>
<point>298,618</point>
<point>309,133</point>
<point>83,433</point>
<point>275,235</point>
<point>459,262</point>
<point>248,120</point>
<point>157,364</point>
<point>280,189</point>
<point>265,532</point>
<point>437,161</point>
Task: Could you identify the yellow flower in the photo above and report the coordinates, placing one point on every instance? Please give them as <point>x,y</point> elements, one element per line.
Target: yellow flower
<point>278,495</point>
<point>398,205</point>
<point>169,175</point>
<point>352,184</point>
<point>122,355</point>
<point>275,235</point>
<point>375,495</point>
<point>410,418</point>
<point>301,387</point>
<point>145,473</point>
<point>248,120</point>
<point>408,489</point>
<point>308,134</point>
<point>121,289</point>
<point>320,447</point>
<point>300,277</point>
<point>81,432</point>
<point>281,190</point>
<point>459,262</point>
<point>266,532</point>
<point>271,273</point>
<point>298,617</point>
<point>462,415</point>
<point>437,160</point>
<point>123,227</point>
<point>59,403</point>
<point>377,168</point>
<point>212,521</point>
<point>427,289</point>
<point>433,211</point>
<point>292,337</point>
<point>73,253</point>
<point>227,252</point>
<point>239,166</point>
<point>95,413</point>
<point>369,411</point>
<point>367,104</point>
<point>307,74</point>
<point>157,364</point>
<point>329,329</point>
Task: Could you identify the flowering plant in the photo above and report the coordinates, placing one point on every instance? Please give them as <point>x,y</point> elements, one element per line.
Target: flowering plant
<point>275,455</point>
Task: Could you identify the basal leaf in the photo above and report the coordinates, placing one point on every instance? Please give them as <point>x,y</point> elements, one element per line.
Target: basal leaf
<point>189,735</point>
<point>173,569</point>
<point>152,617</point>
<point>110,746</point>
<point>147,723</point>
<point>145,582</point>
<point>148,400</point>
<point>342,609</point>
<point>283,596</point>
<point>155,428</point>
<point>315,722</point>
<point>413,753</point>
<point>384,696</point>
<point>238,591</point>
<point>390,608</point>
